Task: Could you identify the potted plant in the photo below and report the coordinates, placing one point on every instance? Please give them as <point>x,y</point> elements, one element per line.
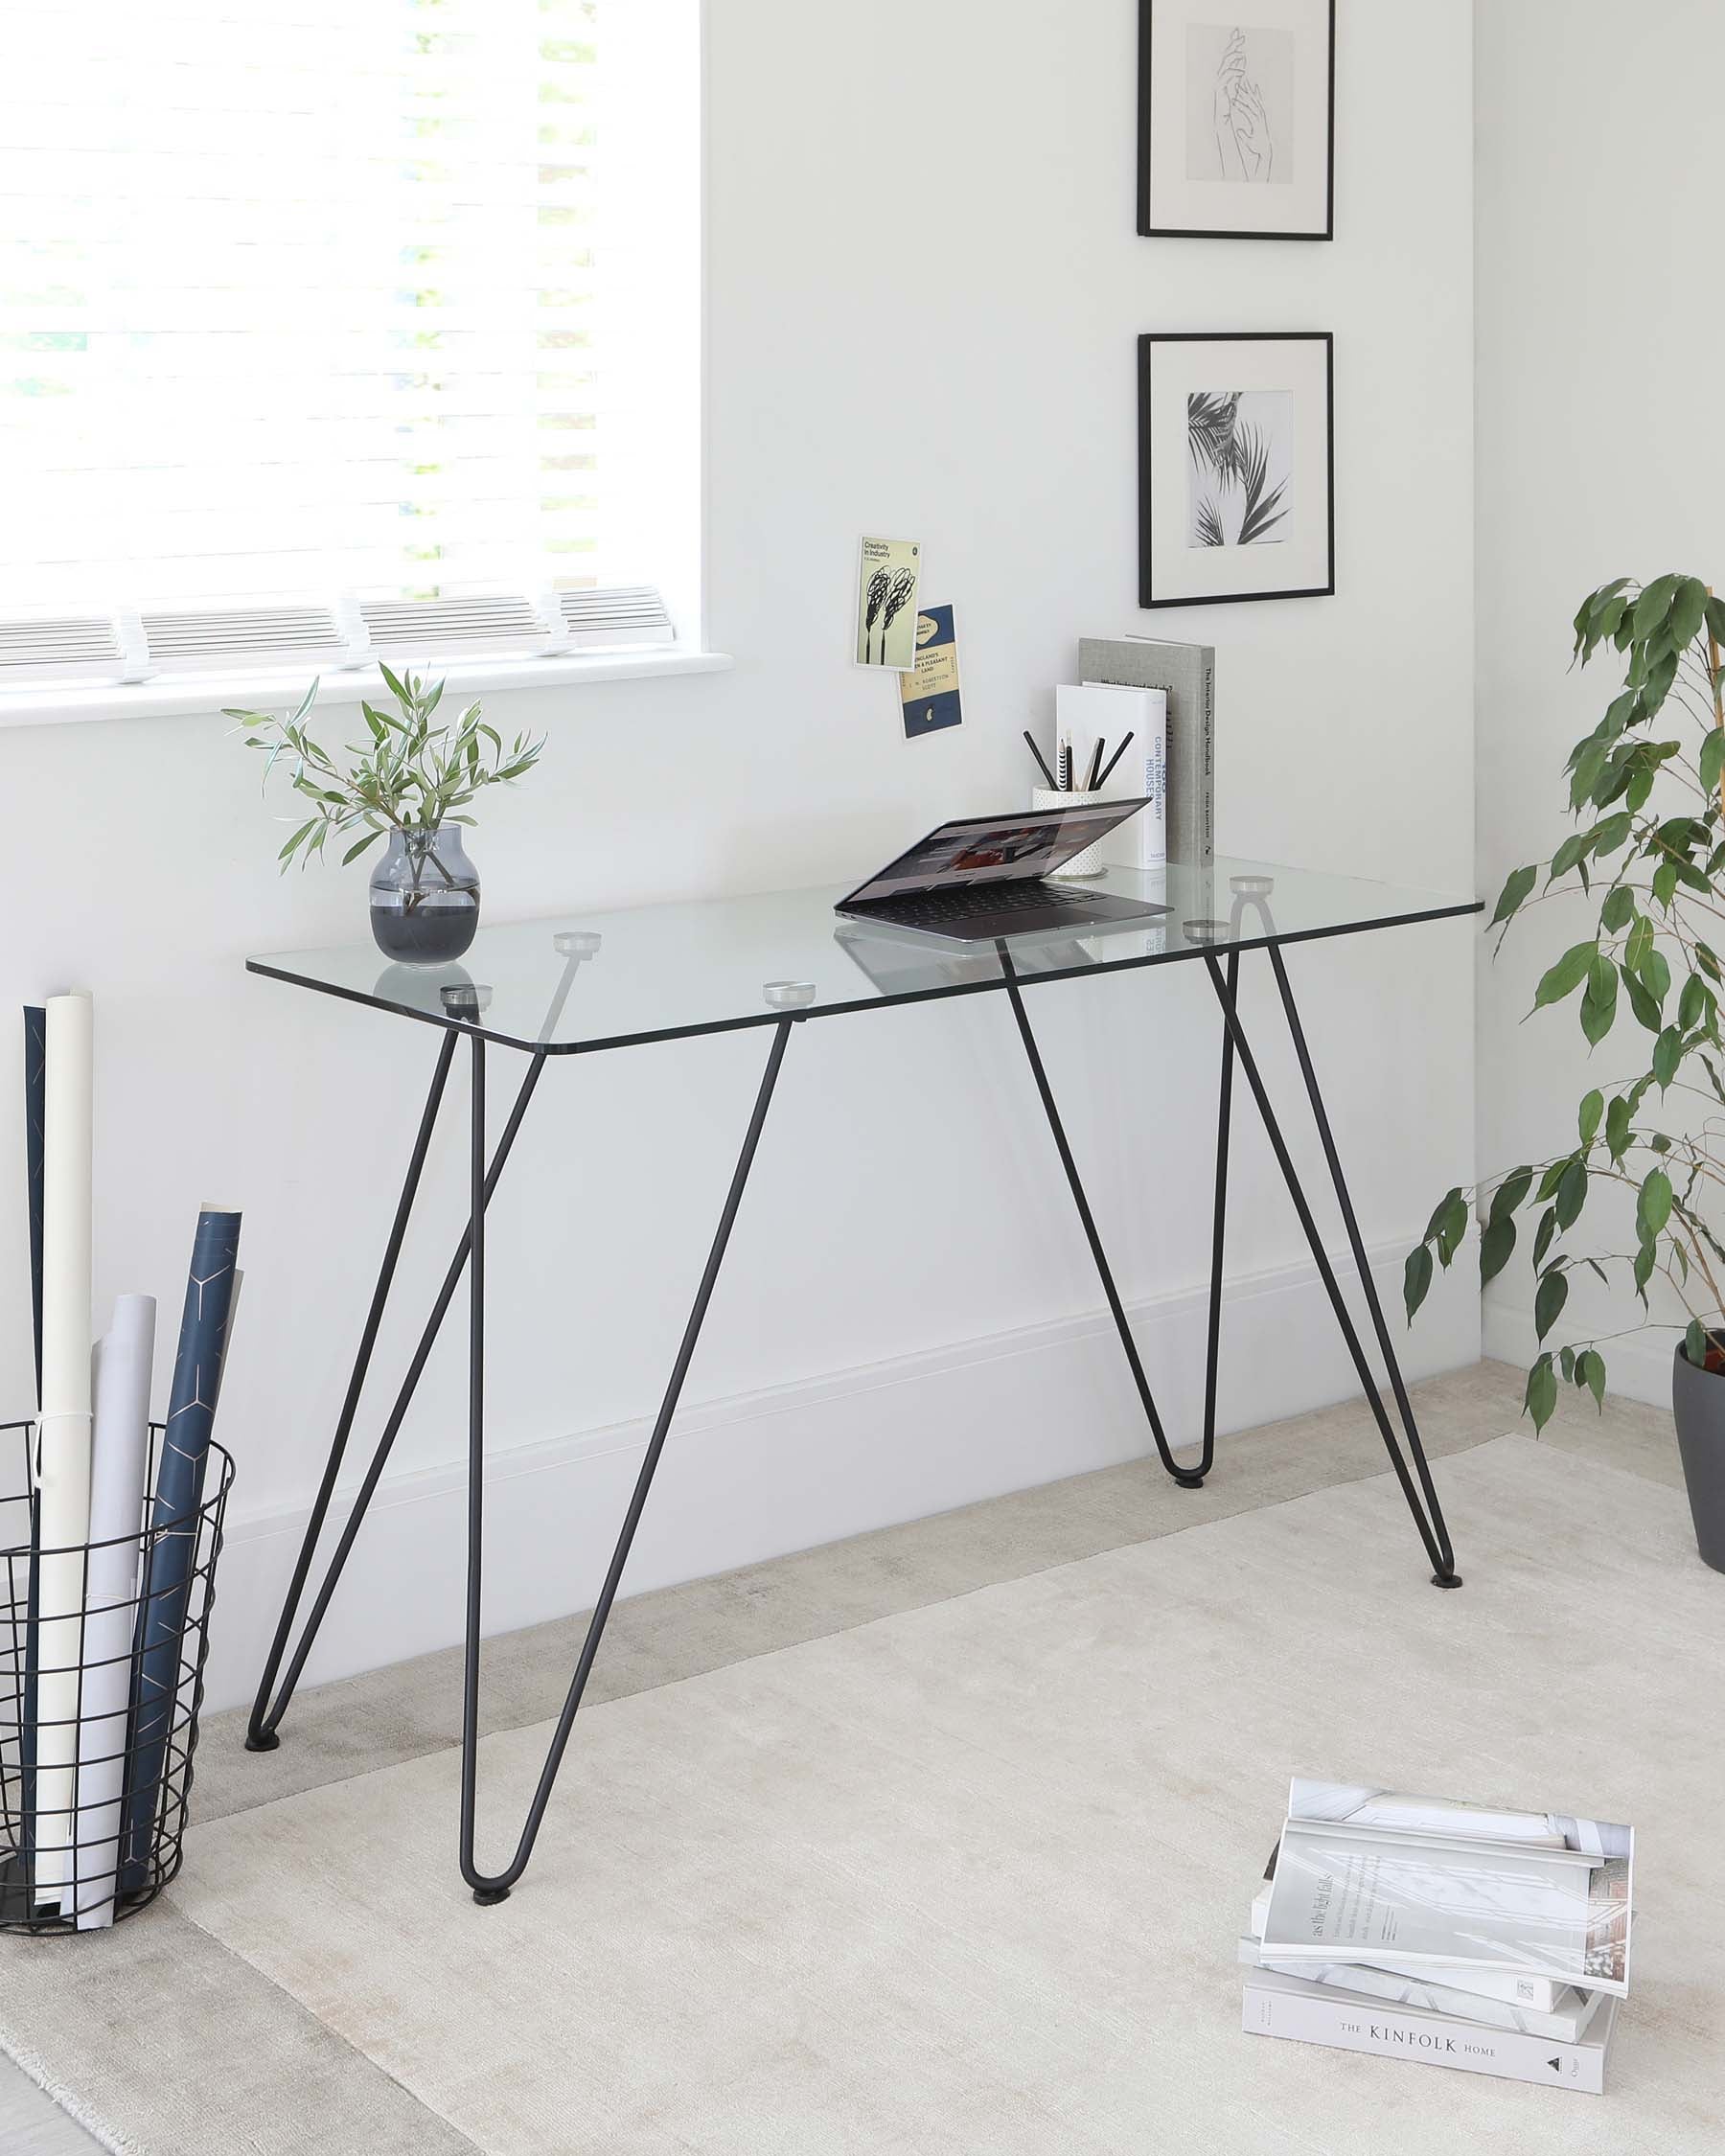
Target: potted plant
<point>407,783</point>
<point>1647,790</point>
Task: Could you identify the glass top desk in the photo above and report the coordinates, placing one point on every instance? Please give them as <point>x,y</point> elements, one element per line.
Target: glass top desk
<point>601,981</point>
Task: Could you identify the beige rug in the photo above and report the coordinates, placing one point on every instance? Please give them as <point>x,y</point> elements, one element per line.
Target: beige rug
<point>969,1878</point>
<point>963,1878</point>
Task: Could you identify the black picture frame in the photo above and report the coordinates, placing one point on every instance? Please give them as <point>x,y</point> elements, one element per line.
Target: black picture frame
<point>1147,226</point>
<point>1146,348</point>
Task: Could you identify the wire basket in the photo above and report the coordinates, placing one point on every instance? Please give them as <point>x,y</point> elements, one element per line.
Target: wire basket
<point>93,1805</point>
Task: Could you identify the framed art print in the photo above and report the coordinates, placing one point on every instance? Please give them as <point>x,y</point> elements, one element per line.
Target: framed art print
<point>1237,118</point>
<point>1237,467</point>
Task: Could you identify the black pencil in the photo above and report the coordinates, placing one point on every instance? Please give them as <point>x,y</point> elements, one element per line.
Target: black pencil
<point>1115,759</point>
<point>1091,783</point>
<point>1030,745</point>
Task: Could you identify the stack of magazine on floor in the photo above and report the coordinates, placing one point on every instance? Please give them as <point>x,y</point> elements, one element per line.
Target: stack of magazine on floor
<point>1497,1941</point>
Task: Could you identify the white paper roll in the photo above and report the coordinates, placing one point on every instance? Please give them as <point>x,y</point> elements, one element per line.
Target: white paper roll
<point>63,1432</point>
<point>119,1454</point>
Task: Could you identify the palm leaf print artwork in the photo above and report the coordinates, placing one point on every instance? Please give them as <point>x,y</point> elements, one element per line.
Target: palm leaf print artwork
<point>1239,467</point>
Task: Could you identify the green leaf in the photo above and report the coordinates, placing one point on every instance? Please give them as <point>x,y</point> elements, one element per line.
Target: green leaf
<point>1567,975</point>
<point>1542,1241</point>
<point>1495,1247</point>
<point>1541,1398</point>
<point>1668,1054</point>
<point>1716,620</point>
<point>292,842</point>
<point>1645,1009</point>
<point>1619,908</point>
<point>1417,1279</point>
<point>1651,607</point>
<point>1689,611</point>
<point>1590,1371</point>
<point>1452,1227</point>
<point>1571,1193</point>
<point>1566,1362</point>
<point>1509,1193</point>
<point>1692,1003</point>
<point>1568,855</point>
<point>1638,945</point>
<point>1694,1343</point>
<point>1612,834</point>
<point>1509,899</point>
<point>1713,760</point>
<point>1653,1206</point>
<point>359,845</point>
<point>1598,1006</point>
<point>1656,975</point>
<point>1548,1301</point>
<point>1587,1119</point>
<point>1664,883</point>
<point>1642,1268</point>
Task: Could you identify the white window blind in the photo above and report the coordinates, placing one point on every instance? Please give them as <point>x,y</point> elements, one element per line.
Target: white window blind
<point>302,322</point>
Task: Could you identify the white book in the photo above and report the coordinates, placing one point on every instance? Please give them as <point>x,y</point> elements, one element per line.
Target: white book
<point>1571,2012</point>
<point>1280,2006</point>
<point>1364,1893</point>
<point>1340,1802</point>
<point>1100,711</point>
<point>1538,1994</point>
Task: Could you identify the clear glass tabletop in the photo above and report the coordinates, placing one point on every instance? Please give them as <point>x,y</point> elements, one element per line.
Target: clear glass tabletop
<point>656,973</point>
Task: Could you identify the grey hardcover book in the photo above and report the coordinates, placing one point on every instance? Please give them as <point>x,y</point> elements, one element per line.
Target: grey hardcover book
<point>1188,672</point>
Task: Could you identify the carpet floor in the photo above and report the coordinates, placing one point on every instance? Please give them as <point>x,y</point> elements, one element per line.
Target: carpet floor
<point>956,1866</point>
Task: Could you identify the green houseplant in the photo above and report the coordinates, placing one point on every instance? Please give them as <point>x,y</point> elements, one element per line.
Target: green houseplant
<point>1649,854</point>
<point>408,784</point>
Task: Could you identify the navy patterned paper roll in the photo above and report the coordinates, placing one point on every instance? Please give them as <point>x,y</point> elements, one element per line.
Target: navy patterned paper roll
<point>174,1523</point>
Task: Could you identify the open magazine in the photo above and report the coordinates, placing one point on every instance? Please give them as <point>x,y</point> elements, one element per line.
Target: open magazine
<point>1374,1876</point>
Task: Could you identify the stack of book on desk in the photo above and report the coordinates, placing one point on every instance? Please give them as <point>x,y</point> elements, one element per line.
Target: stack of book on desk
<point>1496,1941</point>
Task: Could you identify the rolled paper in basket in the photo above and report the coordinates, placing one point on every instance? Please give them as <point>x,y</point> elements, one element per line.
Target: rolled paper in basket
<point>36,1092</point>
<point>170,1546</point>
<point>62,1429</point>
<point>119,1455</point>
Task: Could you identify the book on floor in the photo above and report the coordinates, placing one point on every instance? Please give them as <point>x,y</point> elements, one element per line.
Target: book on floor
<point>1468,1935</point>
<point>1278,2006</point>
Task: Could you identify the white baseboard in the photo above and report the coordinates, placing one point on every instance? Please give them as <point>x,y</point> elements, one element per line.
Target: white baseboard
<point>1640,1369</point>
<point>790,1467</point>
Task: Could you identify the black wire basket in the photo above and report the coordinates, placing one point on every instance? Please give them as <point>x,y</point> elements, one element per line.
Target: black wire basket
<point>93,1803</point>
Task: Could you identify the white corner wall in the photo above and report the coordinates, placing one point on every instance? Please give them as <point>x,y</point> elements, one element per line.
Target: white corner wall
<point>921,294</point>
<point>1601,325</point>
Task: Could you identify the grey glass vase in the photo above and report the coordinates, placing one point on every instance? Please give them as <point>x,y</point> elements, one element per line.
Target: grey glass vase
<point>425,897</point>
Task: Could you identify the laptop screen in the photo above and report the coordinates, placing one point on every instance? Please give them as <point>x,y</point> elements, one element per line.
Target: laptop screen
<point>994,849</point>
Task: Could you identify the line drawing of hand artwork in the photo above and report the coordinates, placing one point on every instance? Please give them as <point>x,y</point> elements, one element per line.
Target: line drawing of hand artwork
<point>1242,124</point>
<point>879,584</point>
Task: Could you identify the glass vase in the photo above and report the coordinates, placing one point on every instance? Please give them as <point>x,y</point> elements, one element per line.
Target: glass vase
<point>425,897</point>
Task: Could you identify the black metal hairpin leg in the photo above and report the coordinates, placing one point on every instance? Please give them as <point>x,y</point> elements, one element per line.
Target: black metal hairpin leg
<point>261,1731</point>
<point>1219,1223</point>
<point>1188,1478</point>
<point>1429,1517</point>
<point>493,1886</point>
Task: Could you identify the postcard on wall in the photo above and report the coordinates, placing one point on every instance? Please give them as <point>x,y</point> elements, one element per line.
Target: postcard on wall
<point>929,691</point>
<point>886,574</point>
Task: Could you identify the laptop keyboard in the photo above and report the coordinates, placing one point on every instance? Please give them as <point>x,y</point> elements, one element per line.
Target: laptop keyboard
<point>964,902</point>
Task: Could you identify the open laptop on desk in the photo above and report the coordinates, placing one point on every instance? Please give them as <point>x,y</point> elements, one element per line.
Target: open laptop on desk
<point>979,878</point>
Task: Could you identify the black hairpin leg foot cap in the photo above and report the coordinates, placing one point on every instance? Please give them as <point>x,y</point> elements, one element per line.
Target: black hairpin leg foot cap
<point>261,1740</point>
<point>484,1897</point>
<point>1446,1579</point>
<point>1190,1482</point>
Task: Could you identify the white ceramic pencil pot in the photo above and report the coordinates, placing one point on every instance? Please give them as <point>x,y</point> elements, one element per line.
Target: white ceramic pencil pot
<point>1090,861</point>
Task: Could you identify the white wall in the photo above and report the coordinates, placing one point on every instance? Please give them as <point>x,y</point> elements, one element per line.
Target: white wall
<point>923,290</point>
<point>1601,325</point>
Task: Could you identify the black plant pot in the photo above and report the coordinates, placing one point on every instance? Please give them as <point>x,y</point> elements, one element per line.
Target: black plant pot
<point>1698,1401</point>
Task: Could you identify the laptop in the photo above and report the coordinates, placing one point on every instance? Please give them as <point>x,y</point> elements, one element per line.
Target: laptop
<point>980,878</point>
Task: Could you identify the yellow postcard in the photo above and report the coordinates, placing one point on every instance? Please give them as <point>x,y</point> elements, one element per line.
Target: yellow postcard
<point>887,576</point>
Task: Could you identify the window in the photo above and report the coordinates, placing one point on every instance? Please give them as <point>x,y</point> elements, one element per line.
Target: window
<point>340,326</point>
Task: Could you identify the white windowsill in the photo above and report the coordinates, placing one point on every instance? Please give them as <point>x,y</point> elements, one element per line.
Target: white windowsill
<point>44,705</point>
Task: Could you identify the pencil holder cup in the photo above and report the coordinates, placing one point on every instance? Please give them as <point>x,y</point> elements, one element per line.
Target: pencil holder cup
<point>93,1803</point>
<point>1090,861</point>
